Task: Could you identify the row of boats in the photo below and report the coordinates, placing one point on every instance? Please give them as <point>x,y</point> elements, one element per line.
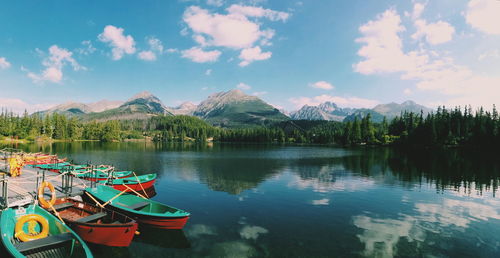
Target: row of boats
<point>108,214</point>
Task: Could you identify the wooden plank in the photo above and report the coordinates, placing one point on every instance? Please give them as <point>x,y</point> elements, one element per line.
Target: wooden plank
<point>63,206</point>
<point>92,217</point>
<point>135,206</point>
<point>44,242</point>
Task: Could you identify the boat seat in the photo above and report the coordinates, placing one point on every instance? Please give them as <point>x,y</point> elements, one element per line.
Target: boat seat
<point>135,206</point>
<point>63,206</point>
<point>92,217</point>
<point>44,242</point>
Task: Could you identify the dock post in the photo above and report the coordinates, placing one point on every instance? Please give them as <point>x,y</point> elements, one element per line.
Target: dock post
<point>37,182</point>
<point>4,197</point>
<point>5,191</point>
<point>71,185</point>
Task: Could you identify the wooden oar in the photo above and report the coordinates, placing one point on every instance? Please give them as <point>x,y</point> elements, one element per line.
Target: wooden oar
<point>97,202</point>
<point>57,213</point>
<point>138,194</point>
<point>141,185</point>
<point>114,197</point>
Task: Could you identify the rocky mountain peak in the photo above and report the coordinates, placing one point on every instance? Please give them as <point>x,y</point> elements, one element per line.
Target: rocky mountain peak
<point>328,106</point>
<point>142,95</point>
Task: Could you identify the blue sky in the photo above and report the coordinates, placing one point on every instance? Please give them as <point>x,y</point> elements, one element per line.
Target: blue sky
<point>290,53</point>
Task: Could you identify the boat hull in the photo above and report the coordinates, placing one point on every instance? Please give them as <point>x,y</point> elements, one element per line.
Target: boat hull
<point>114,229</point>
<point>163,223</point>
<point>155,221</point>
<point>72,246</point>
<point>98,179</point>
<point>146,212</point>
<point>109,235</point>
<point>136,187</point>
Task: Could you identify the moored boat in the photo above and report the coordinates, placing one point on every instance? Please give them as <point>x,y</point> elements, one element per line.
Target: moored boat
<point>145,211</point>
<point>98,175</point>
<point>137,183</point>
<point>46,236</point>
<point>53,166</point>
<point>96,224</point>
<point>41,159</point>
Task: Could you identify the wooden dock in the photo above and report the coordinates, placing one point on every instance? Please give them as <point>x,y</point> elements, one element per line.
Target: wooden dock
<point>22,190</point>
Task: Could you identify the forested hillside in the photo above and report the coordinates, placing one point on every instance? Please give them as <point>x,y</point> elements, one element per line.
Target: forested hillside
<point>445,127</point>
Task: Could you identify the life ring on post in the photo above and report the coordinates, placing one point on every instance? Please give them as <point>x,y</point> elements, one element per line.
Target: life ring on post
<point>32,235</point>
<point>41,199</point>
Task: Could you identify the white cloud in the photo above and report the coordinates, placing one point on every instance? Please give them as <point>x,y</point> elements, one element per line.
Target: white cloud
<point>434,33</point>
<point>18,106</point>
<point>248,55</point>
<point>483,15</point>
<point>198,55</point>
<point>254,11</point>
<point>494,53</point>
<point>233,31</point>
<point>243,86</point>
<point>172,50</point>
<point>4,64</point>
<point>217,3</point>
<point>407,91</point>
<point>322,85</point>
<point>382,45</point>
<point>147,55</point>
<point>431,70</point>
<point>119,43</point>
<point>324,201</point>
<point>418,9</point>
<point>155,45</point>
<point>240,28</point>
<point>54,63</point>
<point>87,48</point>
<point>208,72</point>
<point>353,102</point>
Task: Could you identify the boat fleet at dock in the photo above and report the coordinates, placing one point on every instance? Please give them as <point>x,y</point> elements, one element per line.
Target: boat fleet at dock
<point>110,212</point>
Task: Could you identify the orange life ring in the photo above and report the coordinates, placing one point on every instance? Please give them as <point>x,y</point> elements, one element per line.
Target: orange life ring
<point>32,235</point>
<point>41,199</point>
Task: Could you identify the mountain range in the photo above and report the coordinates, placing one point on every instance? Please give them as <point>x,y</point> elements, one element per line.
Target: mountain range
<point>330,111</point>
<point>232,108</point>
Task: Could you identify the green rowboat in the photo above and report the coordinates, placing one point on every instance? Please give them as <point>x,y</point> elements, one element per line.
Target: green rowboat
<point>52,165</point>
<point>137,183</point>
<point>147,212</point>
<point>99,175</point>
<point>60,242</point>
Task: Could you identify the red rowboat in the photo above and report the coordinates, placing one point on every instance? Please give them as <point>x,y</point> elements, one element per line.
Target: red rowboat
<point>137,183</point>
<point>97,225</point>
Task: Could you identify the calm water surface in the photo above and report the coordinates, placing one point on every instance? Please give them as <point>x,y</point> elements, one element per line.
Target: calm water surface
<point>284,201</point>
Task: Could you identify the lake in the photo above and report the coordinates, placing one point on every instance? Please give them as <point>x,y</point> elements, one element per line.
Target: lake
<point>310,201</point>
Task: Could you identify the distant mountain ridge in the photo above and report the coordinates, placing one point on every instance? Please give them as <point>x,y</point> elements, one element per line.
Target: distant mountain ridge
<point>141,106</point>
<point>394,109</point>
<point>75,108</point>
<point>232,108</point>
<point>325,111</point>
<point>331,112</point>
<point>186,108</point>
